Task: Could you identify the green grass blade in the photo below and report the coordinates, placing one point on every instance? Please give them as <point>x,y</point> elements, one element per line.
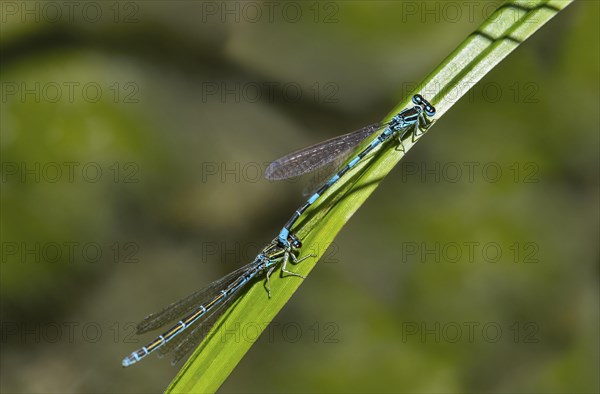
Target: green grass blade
<point>498,36</point>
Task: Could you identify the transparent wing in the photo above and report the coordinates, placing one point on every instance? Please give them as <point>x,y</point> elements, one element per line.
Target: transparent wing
<point>323,174</point>
<point>318,155</point>
<point>189,304</point>
<point>200,328</point>
<point>190,341</point>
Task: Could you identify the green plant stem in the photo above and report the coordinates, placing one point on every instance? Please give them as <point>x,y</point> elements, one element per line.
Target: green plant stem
<point>498,36</point>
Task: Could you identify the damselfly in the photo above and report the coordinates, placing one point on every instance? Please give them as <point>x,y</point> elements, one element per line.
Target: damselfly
<point>198,312</point>
<point>321,154</point>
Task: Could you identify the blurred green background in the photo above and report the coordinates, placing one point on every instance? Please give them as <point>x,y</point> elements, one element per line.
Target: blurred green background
<point>133,136</point>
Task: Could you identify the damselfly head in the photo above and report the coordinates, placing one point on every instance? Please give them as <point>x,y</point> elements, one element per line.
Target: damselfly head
<point>428,108</point>
<point>417,99</point>
<point>294,241</point>
<point>424,104</point>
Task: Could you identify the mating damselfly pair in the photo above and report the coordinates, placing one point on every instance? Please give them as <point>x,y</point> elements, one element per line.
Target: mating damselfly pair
<point>201,309</point>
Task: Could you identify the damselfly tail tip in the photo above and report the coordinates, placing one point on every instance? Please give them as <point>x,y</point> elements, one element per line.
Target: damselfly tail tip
<point>129,360</point>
